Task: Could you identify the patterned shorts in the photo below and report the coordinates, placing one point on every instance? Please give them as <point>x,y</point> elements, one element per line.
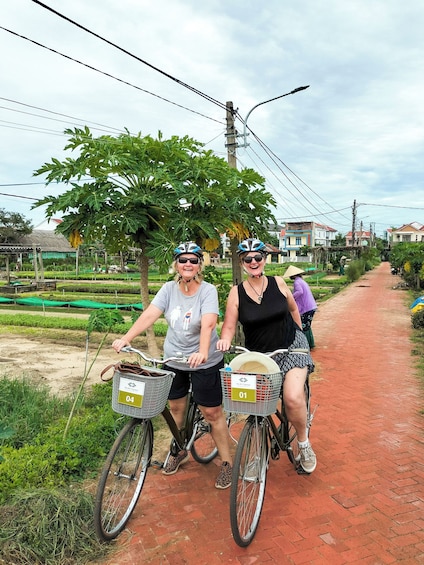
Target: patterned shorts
<point>291,360</point>
<point>306,318</point>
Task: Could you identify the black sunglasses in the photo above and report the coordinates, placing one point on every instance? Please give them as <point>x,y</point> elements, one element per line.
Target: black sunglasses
<point>193,261</point>
<point>249,258</point>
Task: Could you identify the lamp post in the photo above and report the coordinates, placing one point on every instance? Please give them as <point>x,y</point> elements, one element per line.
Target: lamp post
<point>245,134</point>
<point>231,145</point>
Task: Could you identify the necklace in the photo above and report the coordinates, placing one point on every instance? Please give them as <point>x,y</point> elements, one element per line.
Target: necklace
<point>261,294</point>
<point>186,282</point>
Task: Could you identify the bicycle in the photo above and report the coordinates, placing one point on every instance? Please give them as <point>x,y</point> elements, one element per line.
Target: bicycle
<point>266,432</point>
<point>141,392</point>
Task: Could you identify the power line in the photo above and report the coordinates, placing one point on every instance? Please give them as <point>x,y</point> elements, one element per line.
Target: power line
<point>270,152</point>
<point>178,81</point>
<point>106,74</point>
<point>16,195</point>
<point>79,120</point>
<point>391,206</point>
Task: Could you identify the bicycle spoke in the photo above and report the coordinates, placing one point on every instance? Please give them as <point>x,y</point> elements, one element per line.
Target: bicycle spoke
<point>249,479</point>
<point>122,478</point>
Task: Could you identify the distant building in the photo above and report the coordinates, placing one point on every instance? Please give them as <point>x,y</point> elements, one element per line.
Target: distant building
<point>362,239</point>
<point>52,245</point>
<point>49,225</point>
<point>410,233</point>
<point>295,235</point>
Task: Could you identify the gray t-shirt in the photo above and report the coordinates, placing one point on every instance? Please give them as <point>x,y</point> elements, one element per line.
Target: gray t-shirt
<point>184,316</point>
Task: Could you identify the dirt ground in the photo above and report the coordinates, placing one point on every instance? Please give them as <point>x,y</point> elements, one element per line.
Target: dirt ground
<point>59,367</point>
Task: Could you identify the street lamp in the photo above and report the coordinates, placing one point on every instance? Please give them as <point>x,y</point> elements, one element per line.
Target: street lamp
<point>245,134</point>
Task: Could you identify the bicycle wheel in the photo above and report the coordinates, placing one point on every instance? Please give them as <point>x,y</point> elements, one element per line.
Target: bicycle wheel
<point>122,478</point>
<point>249,480</point>
<point>203,448</point>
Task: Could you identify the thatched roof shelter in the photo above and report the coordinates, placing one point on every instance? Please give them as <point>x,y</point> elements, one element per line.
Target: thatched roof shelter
<point>51,244</point>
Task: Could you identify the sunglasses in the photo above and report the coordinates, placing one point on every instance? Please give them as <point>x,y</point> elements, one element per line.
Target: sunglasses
<point>249,258</point>
<point>193,261</point>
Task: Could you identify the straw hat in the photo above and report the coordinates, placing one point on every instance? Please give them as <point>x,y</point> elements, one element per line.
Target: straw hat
<point>254,362</point>
<point>293,271</point>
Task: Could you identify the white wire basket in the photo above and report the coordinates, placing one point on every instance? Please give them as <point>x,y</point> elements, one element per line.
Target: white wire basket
<point>250,393</point>
<point>141,395</point>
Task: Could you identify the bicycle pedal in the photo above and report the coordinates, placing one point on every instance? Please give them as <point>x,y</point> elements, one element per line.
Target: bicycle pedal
<point>275,454</point>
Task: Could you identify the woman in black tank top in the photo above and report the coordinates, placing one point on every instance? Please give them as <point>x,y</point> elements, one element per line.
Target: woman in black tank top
<point>268,313</point>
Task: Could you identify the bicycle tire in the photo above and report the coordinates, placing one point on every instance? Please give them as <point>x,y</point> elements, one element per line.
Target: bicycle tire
<point>249,481</point>
<point>122,478</point>
<point>203,449</point>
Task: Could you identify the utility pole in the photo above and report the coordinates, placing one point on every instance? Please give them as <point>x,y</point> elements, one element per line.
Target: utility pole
<point>231,136</point>
<point>231,146</point>
<point>353,222</point>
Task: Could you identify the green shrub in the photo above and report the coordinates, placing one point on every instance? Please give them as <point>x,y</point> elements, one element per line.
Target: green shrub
<point>418,319</point>
<point>355,270</point>
<point>16,397</point>
<point>50,460</point>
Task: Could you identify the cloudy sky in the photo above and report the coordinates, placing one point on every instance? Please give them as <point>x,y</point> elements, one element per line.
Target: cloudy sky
<point>355,135</point>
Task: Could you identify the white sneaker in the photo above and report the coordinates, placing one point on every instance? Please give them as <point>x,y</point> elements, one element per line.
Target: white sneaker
<point>308,459</point>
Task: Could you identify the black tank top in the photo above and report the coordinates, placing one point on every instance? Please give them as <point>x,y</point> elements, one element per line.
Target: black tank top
<point>269,325</point>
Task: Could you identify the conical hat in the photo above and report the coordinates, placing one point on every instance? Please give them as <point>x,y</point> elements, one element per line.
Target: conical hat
<point>292,271</point>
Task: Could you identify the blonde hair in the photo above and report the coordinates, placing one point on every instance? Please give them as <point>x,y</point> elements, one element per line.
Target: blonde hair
<point>197,277</point>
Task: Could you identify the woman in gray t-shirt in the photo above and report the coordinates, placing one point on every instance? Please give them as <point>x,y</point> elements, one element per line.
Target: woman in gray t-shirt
<point>190,306</point>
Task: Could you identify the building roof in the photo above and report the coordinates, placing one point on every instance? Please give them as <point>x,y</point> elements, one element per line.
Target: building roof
<point>50,224</point>
<point>414,225</point>
<point>47,240</point>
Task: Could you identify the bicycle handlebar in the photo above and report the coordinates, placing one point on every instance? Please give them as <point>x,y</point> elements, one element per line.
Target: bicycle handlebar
<point>129,349</point>
<point>238,348</point>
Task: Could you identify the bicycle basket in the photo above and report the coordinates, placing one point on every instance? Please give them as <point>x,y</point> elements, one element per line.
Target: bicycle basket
<point>250,393</point>
<point>140,392</point>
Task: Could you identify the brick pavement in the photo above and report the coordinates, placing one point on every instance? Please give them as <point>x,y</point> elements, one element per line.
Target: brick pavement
<point>364,504</point>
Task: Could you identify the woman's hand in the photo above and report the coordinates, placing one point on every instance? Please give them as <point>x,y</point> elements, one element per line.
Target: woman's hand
<point>223,344</point>
<point>118,344</point>
<point>196,359</point>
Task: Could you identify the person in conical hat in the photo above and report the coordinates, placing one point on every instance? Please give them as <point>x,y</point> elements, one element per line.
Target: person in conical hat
<point>292,271</point>
<point>304,299</point>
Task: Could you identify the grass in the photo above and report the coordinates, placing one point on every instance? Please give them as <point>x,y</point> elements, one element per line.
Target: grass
<point>47,485</point>
<point>49,527</point>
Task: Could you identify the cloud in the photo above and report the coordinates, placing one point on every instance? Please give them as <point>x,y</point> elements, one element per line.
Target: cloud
<point>356,133</point>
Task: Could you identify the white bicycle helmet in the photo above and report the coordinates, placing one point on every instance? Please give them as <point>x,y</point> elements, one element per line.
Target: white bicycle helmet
<point>251,244</point>
<point>188,247</point>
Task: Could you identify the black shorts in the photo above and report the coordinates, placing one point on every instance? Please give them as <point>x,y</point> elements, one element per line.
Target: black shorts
<point>206,384</point>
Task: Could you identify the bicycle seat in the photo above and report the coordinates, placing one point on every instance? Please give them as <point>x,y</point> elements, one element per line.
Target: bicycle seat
<point>254,362</point>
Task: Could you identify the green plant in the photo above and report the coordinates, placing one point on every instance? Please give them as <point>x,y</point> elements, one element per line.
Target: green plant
<point>49,526</point>
<point>355,270</point>
<point>5,433</point>
<point>49,459</point>
<point>101,320</point>
<point>28,409</point>
<point>418,319</point>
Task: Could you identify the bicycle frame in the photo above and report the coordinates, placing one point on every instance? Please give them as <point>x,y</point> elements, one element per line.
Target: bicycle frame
<point>129,459</point>
<point>184,438</point>
<point>262,437</point>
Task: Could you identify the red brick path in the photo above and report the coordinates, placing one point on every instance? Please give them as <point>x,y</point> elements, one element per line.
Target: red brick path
<point>364,504</point>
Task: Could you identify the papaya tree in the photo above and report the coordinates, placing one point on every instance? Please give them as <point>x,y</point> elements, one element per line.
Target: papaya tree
<point>147,194</point>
